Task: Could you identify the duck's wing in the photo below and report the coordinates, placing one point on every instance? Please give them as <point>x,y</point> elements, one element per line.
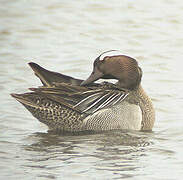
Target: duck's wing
<point>100,99</point>
<point>63,106</point>
<point>82,99</point>
<point>49,77</point>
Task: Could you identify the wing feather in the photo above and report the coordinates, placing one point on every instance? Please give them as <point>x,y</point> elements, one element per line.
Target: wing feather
<point>84,99</point>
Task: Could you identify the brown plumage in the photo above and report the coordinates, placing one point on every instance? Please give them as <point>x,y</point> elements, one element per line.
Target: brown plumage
<point>67,104</point>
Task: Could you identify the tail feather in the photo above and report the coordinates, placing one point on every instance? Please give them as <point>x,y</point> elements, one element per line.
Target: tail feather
<point>56,116</point>
<point>48,78</point>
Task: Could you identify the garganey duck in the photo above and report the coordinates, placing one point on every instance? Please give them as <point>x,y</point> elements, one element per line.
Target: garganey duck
<point>67,104</point>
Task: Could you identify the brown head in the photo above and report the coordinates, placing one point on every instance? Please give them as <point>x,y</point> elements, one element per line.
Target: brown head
<point>114,65</point>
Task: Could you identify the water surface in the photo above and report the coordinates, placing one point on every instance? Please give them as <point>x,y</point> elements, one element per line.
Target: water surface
<point>66,36</point>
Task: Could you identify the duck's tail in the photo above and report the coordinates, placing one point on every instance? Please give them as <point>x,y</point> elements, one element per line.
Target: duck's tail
<point>57,116</point>
<point>48,78</point>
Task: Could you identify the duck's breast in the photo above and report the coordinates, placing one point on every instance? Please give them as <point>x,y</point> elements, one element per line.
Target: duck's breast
<point>122,116</point>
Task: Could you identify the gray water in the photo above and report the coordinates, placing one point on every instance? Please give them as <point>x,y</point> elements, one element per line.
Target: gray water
<point>66,36</point>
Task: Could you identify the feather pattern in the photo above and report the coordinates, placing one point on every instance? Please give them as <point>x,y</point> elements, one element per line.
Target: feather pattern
<point>83,99</point>
<point>65,103</point>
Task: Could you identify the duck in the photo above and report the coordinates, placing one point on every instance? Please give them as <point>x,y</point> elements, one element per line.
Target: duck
<point>67,104</point>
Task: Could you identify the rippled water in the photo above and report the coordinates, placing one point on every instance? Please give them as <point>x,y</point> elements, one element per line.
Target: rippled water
<point>66,36</point>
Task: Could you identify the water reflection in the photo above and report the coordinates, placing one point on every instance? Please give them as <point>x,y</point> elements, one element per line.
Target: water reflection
<point>117,152</point>
<point>107,139</point>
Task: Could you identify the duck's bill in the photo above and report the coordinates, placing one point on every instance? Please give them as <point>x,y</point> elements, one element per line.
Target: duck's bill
<point>95,75</point>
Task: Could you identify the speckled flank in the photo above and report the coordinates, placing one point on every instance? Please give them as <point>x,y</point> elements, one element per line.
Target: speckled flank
<point>56,116</point>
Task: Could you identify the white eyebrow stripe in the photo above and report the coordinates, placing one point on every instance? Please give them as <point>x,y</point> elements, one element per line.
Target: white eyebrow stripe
<point>110,53</point>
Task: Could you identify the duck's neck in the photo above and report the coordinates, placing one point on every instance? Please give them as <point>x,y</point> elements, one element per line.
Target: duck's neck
<point>148,113</point>
<point>145,103</point>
